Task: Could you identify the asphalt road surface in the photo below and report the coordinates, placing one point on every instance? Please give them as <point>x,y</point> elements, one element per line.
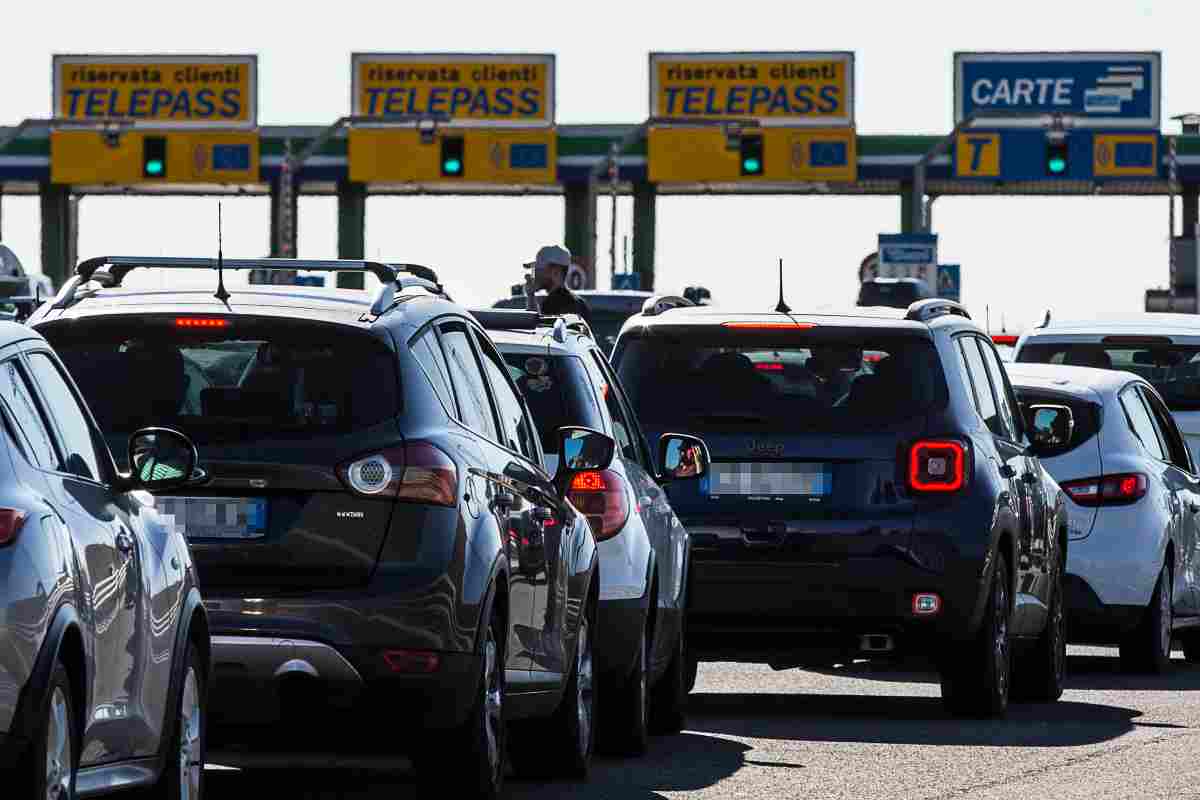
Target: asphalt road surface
<point>865,733</point>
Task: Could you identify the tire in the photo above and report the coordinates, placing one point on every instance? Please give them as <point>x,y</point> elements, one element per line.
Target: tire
<point>182,777</point>
<point>669,695</point>
<point>561,746</point>
<point>976,683</point>
<point>1148,649</point>
<point>51,771</point>
<point>624,722</point>
<point>469,761</point>
<point>691,668</point>
<point>1041,672</point>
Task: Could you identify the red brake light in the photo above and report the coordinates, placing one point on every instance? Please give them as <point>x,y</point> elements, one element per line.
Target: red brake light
<point>418,472</point>
<point>1005,338</point>
<point>1107,490</point>
<point>419,661</point>
<point>768,366</point>
<point>11,520</point>
<point>201,322</point>
<point>937,465</point>
<point>769,326</point>
<point>601,496</point>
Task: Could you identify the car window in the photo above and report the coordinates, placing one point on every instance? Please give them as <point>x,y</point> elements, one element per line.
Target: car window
<point>622,430</point>
<point>985,399</point>
<point>517,431</point>
<point>557,391</point>
<point>1168,431</point>
<point>19,399</point>
<point>81,458</point>
<point>433,362</point>
<point>1007,402</point>
<point>639,452</point>
<point>468,381</point>
<point>1140,422</point>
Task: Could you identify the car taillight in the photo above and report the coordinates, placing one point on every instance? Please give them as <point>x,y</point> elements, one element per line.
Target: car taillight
<point>201,322</point>
<point>937,465</point>
<point>601,496</point>
<point>418,472</point>
<point>1107,490</point>
<point>11,520</point>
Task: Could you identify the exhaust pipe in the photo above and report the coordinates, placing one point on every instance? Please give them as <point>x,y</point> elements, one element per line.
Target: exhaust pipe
<point>876,643</point>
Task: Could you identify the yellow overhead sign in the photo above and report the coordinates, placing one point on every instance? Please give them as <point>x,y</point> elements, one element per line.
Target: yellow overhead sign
<point>1125,155</point>
<point>977,155</point>
<point>158,91</point>
<point>681,154</point>
<point>467,89</point>
<point>506,157</point>
<point>775,88</point>
<point>86,157</point>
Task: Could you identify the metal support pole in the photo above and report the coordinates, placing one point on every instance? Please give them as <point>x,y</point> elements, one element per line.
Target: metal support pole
<point>58,260</point>
<point>613,174</point>
<point>352,230</point>
<point>645,196</point>
<point>579,230</point>
<point>1191,210</point>
<point>907,215</point>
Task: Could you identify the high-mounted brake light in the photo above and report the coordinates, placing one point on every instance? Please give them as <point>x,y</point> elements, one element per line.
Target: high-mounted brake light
<point>11,520</point>
<point>769,366</point>
<point>201,322</point>
<point>601,496</point>
<point>769,326</point>
<point>419,472</point>
<point>1004,338</point>
<point>1107,490</point>
<point>937,465</point>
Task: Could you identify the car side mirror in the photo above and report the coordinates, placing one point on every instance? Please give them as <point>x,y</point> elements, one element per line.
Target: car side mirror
<point>583,449</point>
<point>1050,426</point>
<point>682,457</point>
<point>161,458</point>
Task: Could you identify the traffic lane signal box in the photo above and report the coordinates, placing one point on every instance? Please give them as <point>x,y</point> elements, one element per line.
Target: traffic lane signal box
<point>504,157</point>
<point>215,157</point>
<point>1079,155</point>
<point>682,154</point>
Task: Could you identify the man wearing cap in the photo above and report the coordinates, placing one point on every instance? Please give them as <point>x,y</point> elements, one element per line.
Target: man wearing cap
<point>550,273</point>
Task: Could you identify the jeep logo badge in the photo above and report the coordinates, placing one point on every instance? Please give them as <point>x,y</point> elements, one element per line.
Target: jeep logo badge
<point>770,449</point>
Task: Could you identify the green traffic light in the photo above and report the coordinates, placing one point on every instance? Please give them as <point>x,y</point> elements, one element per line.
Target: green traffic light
<point>452,166</point>
<point>1057,165</point>
<point>751,166</point>
<point>154,167</point>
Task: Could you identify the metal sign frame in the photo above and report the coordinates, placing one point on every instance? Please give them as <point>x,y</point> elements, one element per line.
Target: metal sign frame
<point>1080,120</point>
<point>546,60</point>
<point>844,56</point>
<point>249,61</point>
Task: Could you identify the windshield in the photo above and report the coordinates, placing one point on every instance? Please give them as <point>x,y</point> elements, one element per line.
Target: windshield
<point>839,380</point>
<point>605,327</point>
<point>1174,370</point>
<point>558,392</point>
<point>255,379</point>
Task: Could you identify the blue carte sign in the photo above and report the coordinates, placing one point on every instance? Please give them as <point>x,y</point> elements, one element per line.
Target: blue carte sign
<point>1098,90</point>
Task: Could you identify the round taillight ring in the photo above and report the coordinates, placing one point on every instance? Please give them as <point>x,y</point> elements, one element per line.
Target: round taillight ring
<point>370,475</point>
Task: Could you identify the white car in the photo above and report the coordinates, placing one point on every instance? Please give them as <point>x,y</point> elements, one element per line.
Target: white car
<point>1162,348</point>
<point>1134,505</point>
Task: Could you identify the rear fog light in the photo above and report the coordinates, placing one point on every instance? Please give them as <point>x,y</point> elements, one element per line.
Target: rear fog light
<point>926,604</point>
<point>412,661</point>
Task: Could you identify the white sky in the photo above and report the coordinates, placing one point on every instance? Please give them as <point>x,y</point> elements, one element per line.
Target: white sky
<point>1019,255</point>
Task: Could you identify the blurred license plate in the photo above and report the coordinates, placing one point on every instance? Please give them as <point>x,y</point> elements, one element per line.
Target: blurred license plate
<point>809,479</point>
<point>215,517</point>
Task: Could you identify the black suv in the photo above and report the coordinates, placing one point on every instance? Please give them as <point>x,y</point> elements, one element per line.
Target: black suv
<point>873,493</point>
<point>363,540</point>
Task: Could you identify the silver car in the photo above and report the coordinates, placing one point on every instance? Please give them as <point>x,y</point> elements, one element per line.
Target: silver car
<point>1134,503</point>
<point>103,638</point>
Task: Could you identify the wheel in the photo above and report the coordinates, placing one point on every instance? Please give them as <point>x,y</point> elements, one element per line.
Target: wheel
<point>51,771</point>
<point>1040,673</point>
<point>183,775</point>
<point>624,720</point>
<point>561,746</point>
<point>1148,649</point>
<point>471,758</point>
<point>669,695</point>
<point>976,683</point>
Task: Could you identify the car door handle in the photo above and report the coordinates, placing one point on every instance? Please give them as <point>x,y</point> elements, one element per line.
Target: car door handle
<point>124,543</point>
<point>504,500</point>
<point>1007,472</point>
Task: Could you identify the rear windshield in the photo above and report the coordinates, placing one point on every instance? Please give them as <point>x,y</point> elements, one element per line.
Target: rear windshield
<point>1174,370</point>
<point>605,327</point>
<point>255,379</point>
<point>891,295</point>
<point>840,380</point>
<point>558,392</point>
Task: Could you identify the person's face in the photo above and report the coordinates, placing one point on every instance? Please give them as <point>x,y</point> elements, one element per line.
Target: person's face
<point>548,277</point>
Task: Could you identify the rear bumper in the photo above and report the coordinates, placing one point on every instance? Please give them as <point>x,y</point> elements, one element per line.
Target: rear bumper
<point>620,623</point>
<point>12,749</point>
<point>1121,558</point>
<point>1091,621</point>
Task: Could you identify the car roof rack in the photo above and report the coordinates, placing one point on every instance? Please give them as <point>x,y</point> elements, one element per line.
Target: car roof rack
<point>660,303</point>
<point>109,271</point>
<point>1045,323</point>
<point>515,319</point>
<point>925,310</point>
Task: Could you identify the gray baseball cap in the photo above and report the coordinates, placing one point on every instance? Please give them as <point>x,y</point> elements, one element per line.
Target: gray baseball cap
<point>551,254</point>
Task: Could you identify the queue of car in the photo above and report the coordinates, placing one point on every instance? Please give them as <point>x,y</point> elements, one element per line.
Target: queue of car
<point>521,537</point>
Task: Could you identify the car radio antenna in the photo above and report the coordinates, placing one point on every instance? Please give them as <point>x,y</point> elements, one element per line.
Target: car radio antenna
<point>782,307</point>
<point>221,294</point>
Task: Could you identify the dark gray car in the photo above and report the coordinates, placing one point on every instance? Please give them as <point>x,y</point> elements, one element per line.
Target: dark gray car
<point>104,646</point>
